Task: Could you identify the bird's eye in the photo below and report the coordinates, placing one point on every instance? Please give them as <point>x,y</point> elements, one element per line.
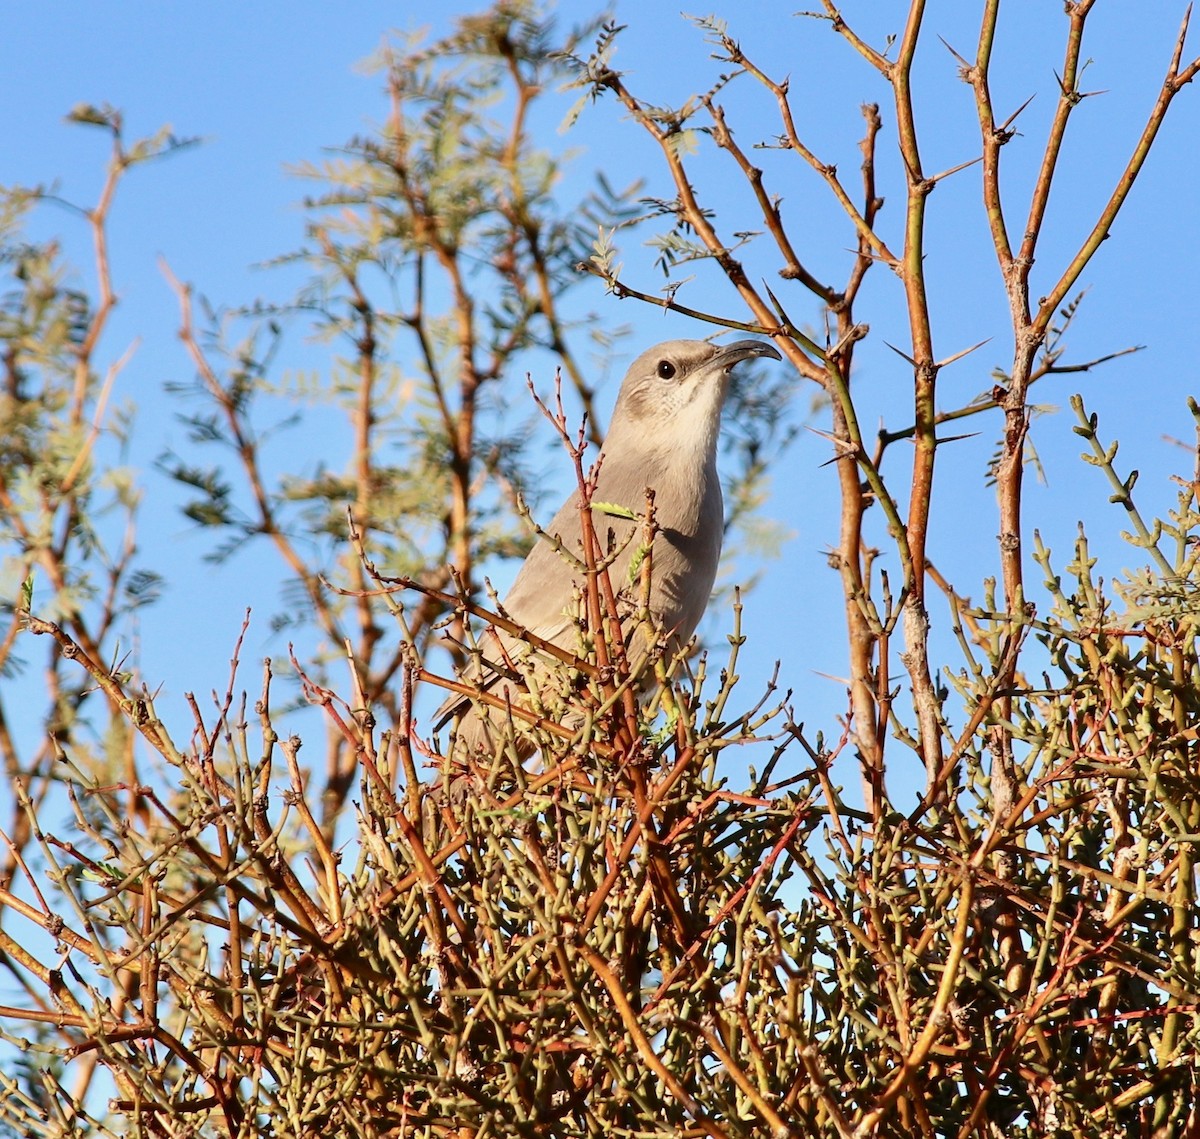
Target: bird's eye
<point>666,370</point>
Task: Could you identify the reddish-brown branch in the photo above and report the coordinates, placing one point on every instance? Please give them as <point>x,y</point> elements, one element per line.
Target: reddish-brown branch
<point>1176,79</point>
<point>1069,98</point>
<point>793,269</point>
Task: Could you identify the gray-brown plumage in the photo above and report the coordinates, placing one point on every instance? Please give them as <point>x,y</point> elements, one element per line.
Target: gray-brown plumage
<point>664,436</point>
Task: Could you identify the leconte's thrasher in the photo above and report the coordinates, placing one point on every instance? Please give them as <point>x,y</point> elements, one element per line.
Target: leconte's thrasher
<point>663,436</point>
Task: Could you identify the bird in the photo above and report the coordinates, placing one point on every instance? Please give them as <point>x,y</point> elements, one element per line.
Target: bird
<point>662,436</point>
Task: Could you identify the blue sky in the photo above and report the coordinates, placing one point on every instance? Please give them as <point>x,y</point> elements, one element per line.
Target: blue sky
<point>267,85</point>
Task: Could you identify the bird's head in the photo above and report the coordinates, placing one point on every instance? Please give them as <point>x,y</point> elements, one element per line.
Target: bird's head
<point>672,394</point>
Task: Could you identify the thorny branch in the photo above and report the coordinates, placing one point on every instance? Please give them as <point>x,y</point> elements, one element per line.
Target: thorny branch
<point>610,940</point>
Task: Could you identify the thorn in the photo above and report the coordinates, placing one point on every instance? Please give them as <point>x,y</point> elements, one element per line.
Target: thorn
<point>779,309</point>
<point>1013,117</point>
<point>844,447</point>
<point>945,43</point>
<point>902,355</point>
<point>954,170</point>
<point>959,355</point>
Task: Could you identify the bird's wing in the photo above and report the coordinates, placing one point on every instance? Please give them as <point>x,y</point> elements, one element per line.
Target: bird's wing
<point>542,595</point>
<point>496,649</point>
